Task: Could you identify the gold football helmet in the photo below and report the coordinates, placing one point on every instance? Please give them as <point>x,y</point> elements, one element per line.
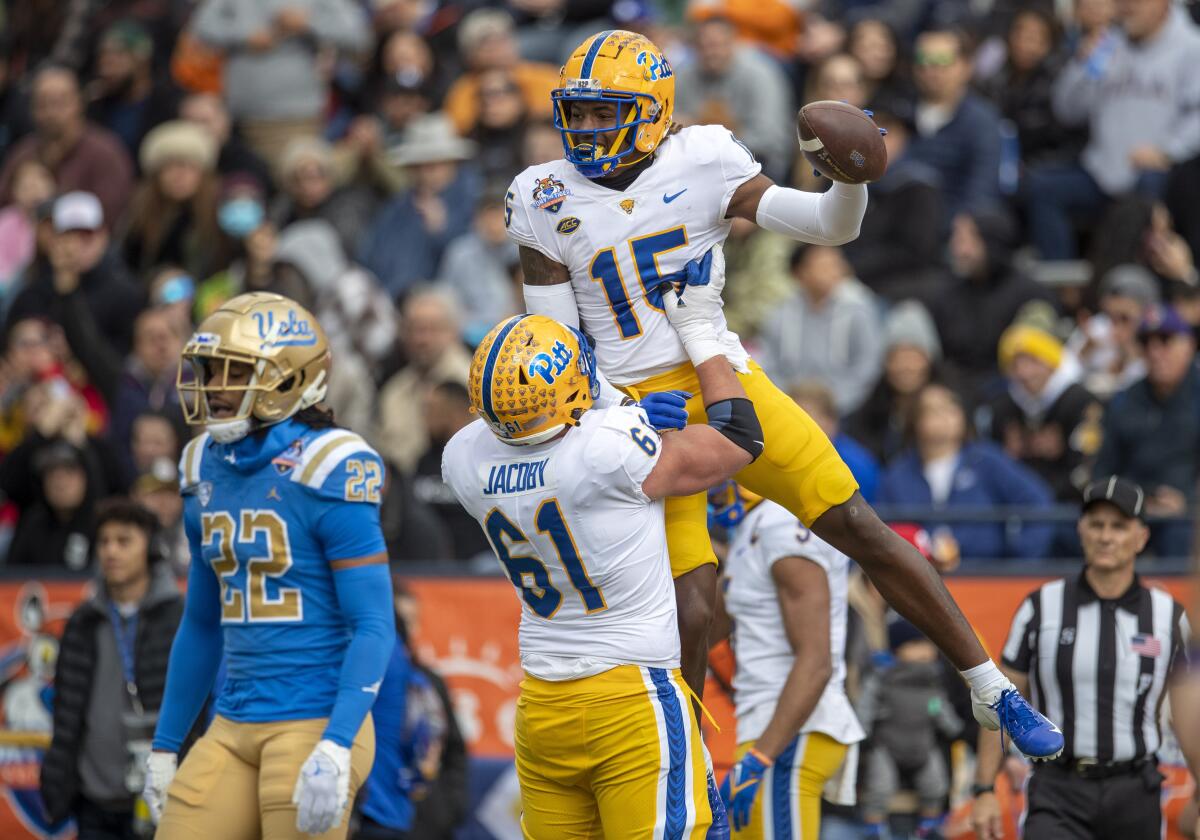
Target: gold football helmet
<point>530,377</point>
<point>628,70</point>
<point>284,347</point>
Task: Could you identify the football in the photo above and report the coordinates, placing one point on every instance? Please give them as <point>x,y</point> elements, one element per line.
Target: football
<point>841,142</point>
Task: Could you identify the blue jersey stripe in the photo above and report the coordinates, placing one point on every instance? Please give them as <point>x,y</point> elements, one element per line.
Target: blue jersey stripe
<point>586,71</point>
<point>676,817</point>
<point>781,791</point>
<point>486,387</point>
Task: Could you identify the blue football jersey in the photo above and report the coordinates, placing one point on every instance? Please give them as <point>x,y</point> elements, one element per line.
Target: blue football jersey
<point>272,517</point>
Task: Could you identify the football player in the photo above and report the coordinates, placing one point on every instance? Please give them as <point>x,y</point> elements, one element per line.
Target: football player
<point>570,497</point>
<point>637,200</point>
<point>784,609</point>
<point>288,582</point>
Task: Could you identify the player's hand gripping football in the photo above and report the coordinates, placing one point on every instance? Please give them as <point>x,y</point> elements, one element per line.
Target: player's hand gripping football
<point>323,788</point>
<point>741,786</point>
<point>160,770</point>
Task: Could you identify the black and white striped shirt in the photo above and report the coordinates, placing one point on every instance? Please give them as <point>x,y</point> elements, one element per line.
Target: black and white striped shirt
<point>1098,668</point>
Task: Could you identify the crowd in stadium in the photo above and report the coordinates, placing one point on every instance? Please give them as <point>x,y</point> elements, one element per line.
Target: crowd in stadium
<point>1018,315</point>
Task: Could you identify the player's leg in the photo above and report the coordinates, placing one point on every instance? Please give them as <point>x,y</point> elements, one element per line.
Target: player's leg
<point>799,468</point>
<point>284,747</point>
<point>551,746</point>
<point>820,758</point>
<point>648,773</point>
<point>215,792</point>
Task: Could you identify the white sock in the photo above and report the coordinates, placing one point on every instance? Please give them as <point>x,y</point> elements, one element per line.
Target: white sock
<point>986,681</point>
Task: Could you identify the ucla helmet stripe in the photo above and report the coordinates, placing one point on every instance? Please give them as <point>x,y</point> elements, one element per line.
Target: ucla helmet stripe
<point>586,71</point>
<point>489,366</point>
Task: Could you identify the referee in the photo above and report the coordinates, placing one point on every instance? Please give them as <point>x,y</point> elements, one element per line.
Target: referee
<point>1098,651</point>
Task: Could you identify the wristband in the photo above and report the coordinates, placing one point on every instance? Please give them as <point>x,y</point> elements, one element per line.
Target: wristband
<point>977,789</point>
<point>766,762</point>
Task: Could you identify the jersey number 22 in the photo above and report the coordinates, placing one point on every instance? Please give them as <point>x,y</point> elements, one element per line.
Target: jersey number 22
<point>255,604</point>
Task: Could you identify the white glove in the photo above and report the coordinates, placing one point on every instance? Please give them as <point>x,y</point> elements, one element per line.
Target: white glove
<point>323,788</point>
<point>160,770</point>
<point>693,310</point>
<point>984,697</point>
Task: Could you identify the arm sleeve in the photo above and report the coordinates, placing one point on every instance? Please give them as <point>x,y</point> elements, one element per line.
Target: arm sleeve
<point>350,531</point>
<point>195,653</point>
<point>1018,649</point>
<point>830,218</point>
<point>557,302</point>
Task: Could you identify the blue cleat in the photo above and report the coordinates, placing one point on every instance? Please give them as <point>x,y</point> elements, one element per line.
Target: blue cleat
<point>1031,731</point>
<point>719,830</point>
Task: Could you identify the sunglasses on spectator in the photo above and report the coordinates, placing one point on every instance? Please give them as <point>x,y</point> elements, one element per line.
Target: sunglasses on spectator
<point>935,59</point>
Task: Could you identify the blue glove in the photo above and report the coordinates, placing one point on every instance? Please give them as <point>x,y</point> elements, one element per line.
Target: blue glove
<point>694,273</point>
<point>741,786</point>
<point>665,409</point>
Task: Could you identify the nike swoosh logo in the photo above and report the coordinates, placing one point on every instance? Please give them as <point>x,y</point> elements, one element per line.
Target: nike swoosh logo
<point>736,789</point>
<point>667,199</point>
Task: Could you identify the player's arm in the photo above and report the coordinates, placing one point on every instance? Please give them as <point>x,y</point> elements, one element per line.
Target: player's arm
<point>833,217</point>
<point>195,653</point>
<point>700,456</point>
<point>803,591</point>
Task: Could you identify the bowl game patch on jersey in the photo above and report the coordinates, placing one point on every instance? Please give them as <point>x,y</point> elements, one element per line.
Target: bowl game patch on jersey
<point>549,193</point>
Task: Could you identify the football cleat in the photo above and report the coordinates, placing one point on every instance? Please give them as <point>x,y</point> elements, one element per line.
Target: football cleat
<point>719,830</point>
<point>1031,731</point>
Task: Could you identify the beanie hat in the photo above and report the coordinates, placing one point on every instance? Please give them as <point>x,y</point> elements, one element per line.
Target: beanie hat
<point>1032,341</point>
<point>901,632</point>
<point>909,323</point>
<point>177,140</point>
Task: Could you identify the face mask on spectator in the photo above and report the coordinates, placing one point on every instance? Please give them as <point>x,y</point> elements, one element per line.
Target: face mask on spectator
<point>240,217</point>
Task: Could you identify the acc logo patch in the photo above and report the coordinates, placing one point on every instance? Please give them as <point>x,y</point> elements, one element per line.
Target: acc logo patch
<point>656,66</point>
<point>549,193</point>
<point>550,365</point>
<point>568,225</point>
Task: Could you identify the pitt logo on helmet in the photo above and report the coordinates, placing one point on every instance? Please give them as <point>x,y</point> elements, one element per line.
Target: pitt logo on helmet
<point>628,73</point>
<point>531,377</point>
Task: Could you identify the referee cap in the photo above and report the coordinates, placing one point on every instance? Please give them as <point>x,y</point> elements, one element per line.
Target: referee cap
<point>1121,493</point>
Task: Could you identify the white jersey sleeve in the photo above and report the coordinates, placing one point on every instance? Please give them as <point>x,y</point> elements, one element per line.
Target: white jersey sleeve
<point>737,165</point>
<point>620,455</point>
<point>527,225</point>
<point>785,536</point>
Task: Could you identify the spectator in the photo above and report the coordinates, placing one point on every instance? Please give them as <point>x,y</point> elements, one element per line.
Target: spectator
<point>500,130</point>
<point>29,360</point>
<point>409,235</point>
<point>735,86</point>
<point>898,254</point>
<point>873,41</point>
<point>486,41</point>
<point>157,490</point>
<point>173,289</point>
<point>542,142</point>
<point>1046,419</point>
<point>774,26</point>
<point>81,156</point>
<point>112,666</point>
<point>351,307</point>
<point>911,352</point>
<point>173,215</point>
<point>33,186</point>
<point>404,55</point>
<point>944,468</point>
<point>403,98</point>
<point>1022,88</point>
<point>412,531</point>
<point>1151,429</point>
<point>433,353</point>
<point>840,77</point>
<point>756,265</point>
<point>82,267</point>
<point>983,296</point>
<point>958,133</point>
<point>479,267</point>
<point>273,79</point>
<point>1136,89</point>
<point>309,190</point>
<point>127,96</point>
<point>447,408</point>
<point>908,714</point>
<point>1106,344</point>
<point>827,330</point>
<point>154,437</point>
<point>208,111</point>
<point>816,398</point>
<point>241,217</point>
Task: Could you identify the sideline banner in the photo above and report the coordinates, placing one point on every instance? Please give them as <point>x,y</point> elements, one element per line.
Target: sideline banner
<point>467,631</point>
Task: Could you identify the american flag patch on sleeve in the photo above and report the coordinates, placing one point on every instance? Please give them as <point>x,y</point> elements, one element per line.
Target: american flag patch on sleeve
<point>1145,645</point>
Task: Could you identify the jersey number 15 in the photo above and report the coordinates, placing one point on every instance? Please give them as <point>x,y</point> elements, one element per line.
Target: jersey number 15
<point>645,251</point>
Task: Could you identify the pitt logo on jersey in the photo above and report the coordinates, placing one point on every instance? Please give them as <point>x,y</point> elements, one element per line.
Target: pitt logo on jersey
<point>549,365</point>
<point>549,193</point>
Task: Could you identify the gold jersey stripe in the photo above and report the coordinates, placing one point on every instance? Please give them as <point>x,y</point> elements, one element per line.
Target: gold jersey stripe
<point>330,443</point>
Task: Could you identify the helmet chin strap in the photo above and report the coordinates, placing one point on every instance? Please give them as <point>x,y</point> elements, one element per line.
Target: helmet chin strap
<point>230,431</point>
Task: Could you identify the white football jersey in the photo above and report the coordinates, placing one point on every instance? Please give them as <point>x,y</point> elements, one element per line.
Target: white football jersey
<point>585,548</point>
<point>760,644</point>
<point>618,244</point>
